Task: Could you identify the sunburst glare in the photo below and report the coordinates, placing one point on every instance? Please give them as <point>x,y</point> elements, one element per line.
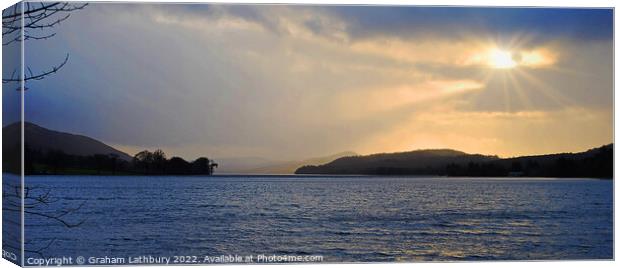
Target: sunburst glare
<point>501,59</point>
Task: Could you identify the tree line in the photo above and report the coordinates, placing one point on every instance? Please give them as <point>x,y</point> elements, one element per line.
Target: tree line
<point>156,163</point>
<point>595,163</point>
<point>143,163</point>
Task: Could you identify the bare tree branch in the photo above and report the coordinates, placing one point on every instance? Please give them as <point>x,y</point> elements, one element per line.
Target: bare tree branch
<point>57,218</point>
<point>36,20</point>
<point>53,70</point>
<point>35,198</point>
<point>34,10</point>
<point>40,17</point>
<point>39,76</point>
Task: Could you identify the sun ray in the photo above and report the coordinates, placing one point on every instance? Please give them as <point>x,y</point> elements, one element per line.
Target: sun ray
<point>525,100</point>
<point>570,71</point>
<point>507,100</point>
<point>485,77</point>
<point>519,40</point>
<point>544,88</point>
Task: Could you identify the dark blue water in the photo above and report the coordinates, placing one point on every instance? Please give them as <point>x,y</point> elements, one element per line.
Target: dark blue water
<point>352,219</point>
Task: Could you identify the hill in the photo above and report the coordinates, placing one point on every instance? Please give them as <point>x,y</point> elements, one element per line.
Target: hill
<point>52,152</point>
<point>41,139</point>
<point>597,162</point>
<point>289,167</point>
<point>413,162</point>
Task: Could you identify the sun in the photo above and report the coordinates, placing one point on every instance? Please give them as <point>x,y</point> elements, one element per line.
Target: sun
<point>501,59</point>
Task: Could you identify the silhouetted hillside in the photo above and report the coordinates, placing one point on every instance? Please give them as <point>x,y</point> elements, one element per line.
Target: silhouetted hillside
<point>597,163</point>
<point>52,152</point>
<point>44,140</point>
<point>414,162</point>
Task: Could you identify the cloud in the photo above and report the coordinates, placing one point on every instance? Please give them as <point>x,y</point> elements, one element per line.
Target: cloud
<point>293,81</point>
<point>452,23</point>
<point>357,104</point>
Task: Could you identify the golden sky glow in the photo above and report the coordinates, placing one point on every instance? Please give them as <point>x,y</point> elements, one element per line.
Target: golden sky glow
<point>300,81</point>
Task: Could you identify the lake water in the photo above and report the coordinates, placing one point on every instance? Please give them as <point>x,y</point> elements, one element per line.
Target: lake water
<point>343,219</point>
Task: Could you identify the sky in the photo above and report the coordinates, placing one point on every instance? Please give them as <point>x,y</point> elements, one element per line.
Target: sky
<point>295,81</point>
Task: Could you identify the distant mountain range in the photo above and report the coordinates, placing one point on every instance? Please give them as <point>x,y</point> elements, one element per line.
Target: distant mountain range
<point>413,160</point>
<point>42,139</point>
<point>597,162</point>
<point>257,165</point>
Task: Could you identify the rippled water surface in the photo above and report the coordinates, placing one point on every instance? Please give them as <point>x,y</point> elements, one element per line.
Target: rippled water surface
<point>352,219</point>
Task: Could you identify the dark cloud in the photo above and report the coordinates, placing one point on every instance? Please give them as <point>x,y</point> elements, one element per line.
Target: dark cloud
<point>500,23</point>
<point>541,24</point>
<point>450,22</point>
